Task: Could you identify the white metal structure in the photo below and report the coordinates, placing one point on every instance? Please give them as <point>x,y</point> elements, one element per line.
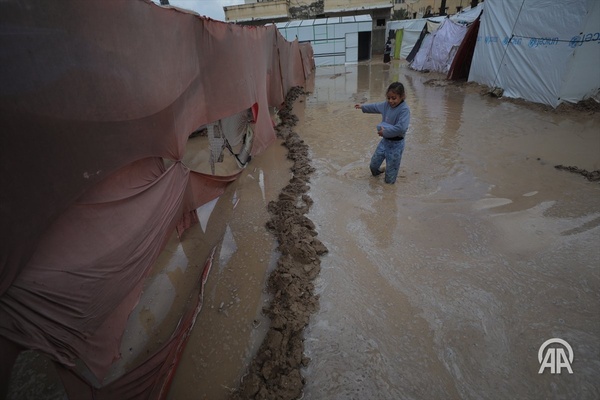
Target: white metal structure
<point>337,40</point>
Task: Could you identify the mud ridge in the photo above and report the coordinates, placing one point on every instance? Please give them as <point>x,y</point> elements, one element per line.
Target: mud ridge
<point>593,176</point>
<point>275,371</point>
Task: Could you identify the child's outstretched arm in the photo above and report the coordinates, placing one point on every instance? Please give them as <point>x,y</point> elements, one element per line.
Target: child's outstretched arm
<point>373,108</point>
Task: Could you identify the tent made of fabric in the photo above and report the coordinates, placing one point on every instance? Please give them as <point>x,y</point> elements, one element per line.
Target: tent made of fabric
<point>438,49</point>
<point>541,51</point>
<point>468,15</point>
<point>97,105</point>
<point>411,29</point>
<point>433,23</point>
<point>412,43</point>
<point>461,65</point>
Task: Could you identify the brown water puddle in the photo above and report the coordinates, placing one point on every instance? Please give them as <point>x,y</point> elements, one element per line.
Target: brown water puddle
<point>230,325</point>
<point>445,284</point>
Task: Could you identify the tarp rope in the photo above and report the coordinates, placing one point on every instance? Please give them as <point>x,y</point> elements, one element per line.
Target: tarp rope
<point>512,35</point>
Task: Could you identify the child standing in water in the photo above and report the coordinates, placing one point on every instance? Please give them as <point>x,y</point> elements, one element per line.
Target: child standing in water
<point>394,124</point>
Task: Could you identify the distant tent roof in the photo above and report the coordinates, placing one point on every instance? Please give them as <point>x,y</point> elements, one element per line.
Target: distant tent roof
<point>468,15</point>
<point>434,23</point>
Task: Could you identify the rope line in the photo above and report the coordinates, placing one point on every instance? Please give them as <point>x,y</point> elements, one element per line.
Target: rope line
<point>512,35</point>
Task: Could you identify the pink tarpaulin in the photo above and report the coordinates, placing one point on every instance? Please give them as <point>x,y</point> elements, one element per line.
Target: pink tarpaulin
<point>95,96</point>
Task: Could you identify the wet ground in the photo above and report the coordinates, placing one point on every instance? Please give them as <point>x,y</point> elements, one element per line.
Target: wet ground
<point>444,285</point>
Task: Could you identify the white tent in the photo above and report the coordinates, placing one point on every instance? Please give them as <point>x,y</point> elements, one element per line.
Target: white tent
<point>468,15</point>
<point>438,49</point>
<point>540,50</point>
<point>411,31</point>
<point>412,28</point>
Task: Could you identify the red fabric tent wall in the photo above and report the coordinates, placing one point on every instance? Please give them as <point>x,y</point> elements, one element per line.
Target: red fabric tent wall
<point>95,95</point>
<point>461,65</point>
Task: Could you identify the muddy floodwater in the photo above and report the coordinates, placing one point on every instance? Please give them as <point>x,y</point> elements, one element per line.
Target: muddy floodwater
<point>444,285</point>
<point>441,286</point>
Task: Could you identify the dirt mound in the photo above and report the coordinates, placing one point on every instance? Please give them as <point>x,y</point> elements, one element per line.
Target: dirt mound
<point>593,176</point>
<point>589,105</point>
<point>275,371</point>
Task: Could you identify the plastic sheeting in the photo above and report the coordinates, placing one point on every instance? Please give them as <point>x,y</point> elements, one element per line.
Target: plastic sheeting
<point>439,48</point>
<point>412,30</point>
<point>540,50</point>
<point>459,69</point>
<point>468,15</point>
<point>96,95</point>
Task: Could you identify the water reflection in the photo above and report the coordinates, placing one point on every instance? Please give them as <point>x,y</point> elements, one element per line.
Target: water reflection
<point>230,326</point>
